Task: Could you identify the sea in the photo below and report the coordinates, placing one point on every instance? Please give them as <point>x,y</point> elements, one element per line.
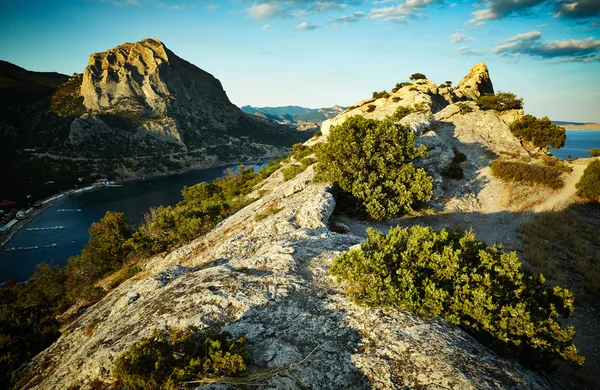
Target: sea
<point>578,143</point>
<point>77,213</point>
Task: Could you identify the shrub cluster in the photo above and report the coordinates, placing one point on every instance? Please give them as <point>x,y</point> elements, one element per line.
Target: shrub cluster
<point>291,172</point>
<point>396,99</point>
<point>588,186</point>
<point>500,102</point>
<point>541,133</point>
<point>371,160</point>
<point>528,173</point>
<point>418,76</point>
<point>402,111</point>
<point>464,108</point>
<point>382,94</point>
<point>451,274</point>
<point>595,152</point>
<point>168,358</point>
<point>371,107</point>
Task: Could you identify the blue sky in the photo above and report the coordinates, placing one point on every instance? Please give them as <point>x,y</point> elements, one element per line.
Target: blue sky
<point>321,53</point>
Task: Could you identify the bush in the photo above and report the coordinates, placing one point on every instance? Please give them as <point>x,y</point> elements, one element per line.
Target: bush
<point>588,186</point>
<point>299,151</point>
<point>448,83</point>
<point>464,108</point>
<point>595,152</point>
<point>451,274</point>
<point>291,172</point>
<point>396,99</point>
<point>540,133</point>
<point>371,107</point>
<point>317,134</point>
<point>556,163</point>
<point>500,102</point>
<point>418,76</point>
<point>527,173</point>
<point>371,160</point>
<point>382,94</point>
<point>166,359</point>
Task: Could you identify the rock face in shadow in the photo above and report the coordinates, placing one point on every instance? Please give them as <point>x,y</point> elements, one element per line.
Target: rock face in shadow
<point>267,280</point>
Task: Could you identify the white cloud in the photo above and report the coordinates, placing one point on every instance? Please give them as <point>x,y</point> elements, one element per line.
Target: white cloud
<point>498,9</point>
<point>266,27</point>
<point>458,37</point>
<point>261,11</point>
<point>305,27</point>
<point>467,51</point>
<point>352,18</point>
<point>410,9</point>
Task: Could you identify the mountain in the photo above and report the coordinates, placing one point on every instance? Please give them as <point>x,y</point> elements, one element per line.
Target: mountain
<point>137,110</point>
<point>295,116</point>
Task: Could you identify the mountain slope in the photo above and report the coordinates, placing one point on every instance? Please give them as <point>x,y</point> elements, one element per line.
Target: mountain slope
<point>295,115</point>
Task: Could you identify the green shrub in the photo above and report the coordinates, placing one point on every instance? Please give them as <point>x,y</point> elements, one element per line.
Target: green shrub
<point>371,107</point>
<point>500,102</point>
<point>555,163</point>
<point>413,89</point>
<point>527,173</point>
<point>396,99</point>
<point>270,210</point>
<point>451,274</point>
<point>166,359</point>
<point>418,76</point>
<point>299,151</point>
<point>317,134</point>
<point>449,83</point>
<point>464,108</point>
<point>291,172</point>
<point>401,112</point>
<point>371,160</point>
<point>595,152</point>
<point>382,94</point>
<point>588,186</point>
<point>307,161</point>
<point>540,133</point>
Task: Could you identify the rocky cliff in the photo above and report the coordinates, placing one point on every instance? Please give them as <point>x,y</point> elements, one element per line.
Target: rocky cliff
<point>266,279</point>
<point>137,108</point>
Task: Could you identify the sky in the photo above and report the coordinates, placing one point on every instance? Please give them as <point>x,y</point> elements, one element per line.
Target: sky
<point>322,53</point>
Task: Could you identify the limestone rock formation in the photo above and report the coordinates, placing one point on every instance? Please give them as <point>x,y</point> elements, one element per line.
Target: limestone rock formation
<point>475,84</point>
<point>267,280</point>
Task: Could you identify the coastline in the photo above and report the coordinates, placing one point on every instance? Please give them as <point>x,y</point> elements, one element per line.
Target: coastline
<point>595,126</point>
<point>57,198</point>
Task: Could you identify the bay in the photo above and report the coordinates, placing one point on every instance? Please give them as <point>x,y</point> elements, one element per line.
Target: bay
<point>133,198</point>
<point>578,143</point>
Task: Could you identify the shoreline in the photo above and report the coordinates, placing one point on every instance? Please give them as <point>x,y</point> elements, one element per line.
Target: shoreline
<point>5,237</point>
<point>594,127</point>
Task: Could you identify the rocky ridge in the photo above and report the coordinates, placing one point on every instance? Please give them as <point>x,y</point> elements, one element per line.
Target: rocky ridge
<point>267,280</point>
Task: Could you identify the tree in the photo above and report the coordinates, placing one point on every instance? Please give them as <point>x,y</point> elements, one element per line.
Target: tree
<point>540,133</point>
<point>418,76</point>
<point>595,152</point>
<point>501,101</point>
<point>371,160</point>
<point>588,186</point>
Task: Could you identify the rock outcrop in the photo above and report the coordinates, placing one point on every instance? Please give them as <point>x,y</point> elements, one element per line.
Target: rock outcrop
<point>267,280</point>
<point>475,84</point>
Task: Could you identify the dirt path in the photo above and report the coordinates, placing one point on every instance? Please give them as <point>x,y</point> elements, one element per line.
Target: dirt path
<point>564,196</point>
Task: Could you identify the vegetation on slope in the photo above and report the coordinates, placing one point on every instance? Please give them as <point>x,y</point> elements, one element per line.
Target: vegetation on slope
<point>541,133</point>
<point>588,186</point>
<point>451,274</point>
<point>531,174</point>
<point>168,358</point>
<point>500,101</point>
<point>372,161</point>
<point>28,313</point>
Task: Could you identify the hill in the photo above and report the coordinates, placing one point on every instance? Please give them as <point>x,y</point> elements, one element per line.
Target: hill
<point>296,116</point>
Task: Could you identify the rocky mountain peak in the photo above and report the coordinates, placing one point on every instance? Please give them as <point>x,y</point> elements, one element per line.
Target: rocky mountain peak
<point>147,76</point>
<point>476,83</point>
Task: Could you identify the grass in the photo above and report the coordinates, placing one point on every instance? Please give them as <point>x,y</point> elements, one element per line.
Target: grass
<point>532,174</point>
<point>270,210</point>
<point>565,247</point>
<point>291,172</point>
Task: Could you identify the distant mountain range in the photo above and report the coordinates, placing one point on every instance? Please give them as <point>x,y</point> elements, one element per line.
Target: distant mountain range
<point>578,125</point>
<point>296,116</point>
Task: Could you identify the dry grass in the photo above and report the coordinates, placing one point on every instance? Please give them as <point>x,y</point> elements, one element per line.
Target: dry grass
<point>521,197</point>
<point>531,174</point>
<point>565,247</point>
<point>270,210</point>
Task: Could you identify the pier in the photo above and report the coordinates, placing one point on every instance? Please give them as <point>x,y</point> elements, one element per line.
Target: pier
<point>27,248</point>
<point>60,227</point>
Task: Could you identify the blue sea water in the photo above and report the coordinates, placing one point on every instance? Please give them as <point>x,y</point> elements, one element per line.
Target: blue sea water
<point>578,143</point>
<point>134,199</point>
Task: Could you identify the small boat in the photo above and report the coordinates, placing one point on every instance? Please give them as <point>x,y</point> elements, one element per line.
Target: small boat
<point>73,242</point>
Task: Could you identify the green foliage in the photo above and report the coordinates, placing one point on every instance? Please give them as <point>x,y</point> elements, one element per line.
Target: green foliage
<point>399,86</point>
<point>396,99</point>
<point>371,107</point>
<point>67,100</point>
<point>371,160</point>
<point>451,274</point>
<point>588,186</point>
<point>418,76</point>
<point>299,151</point>
<point>595,152</point>
<point>168,358</point>
<point>317,134</point>
<point>541,133</point>
<point>527,173</point>
<point>291,172</point>
<point>307,162</point>
<point>464,108</point>
<point>382,94</point>
<point>500,102</point>
<point>448,83</point>
<point>270,210</point>
<point>402,111</point>
<point>556,163</point>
